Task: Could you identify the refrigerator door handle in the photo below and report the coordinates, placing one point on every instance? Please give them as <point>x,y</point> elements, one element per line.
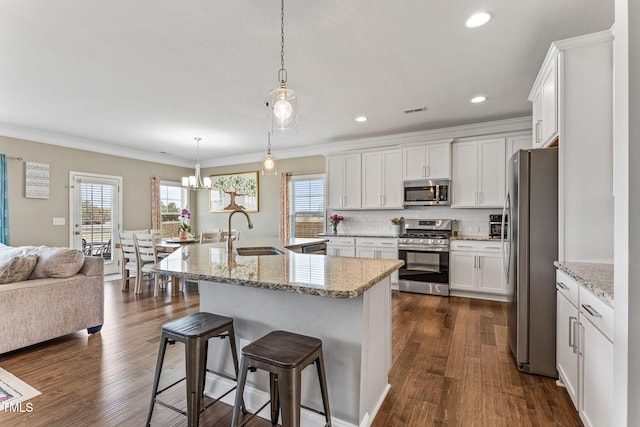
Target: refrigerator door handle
<point>506,250</point>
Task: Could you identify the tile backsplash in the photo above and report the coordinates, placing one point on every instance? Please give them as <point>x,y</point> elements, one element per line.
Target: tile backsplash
<point>471,222</point>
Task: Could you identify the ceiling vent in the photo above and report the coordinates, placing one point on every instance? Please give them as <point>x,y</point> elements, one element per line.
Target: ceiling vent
<point>414,110</point>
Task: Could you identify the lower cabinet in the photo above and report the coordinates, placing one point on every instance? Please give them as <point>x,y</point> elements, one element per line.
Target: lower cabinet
<point>383,248</point>
<point>585,350</point>
<point>365,247</point>
<point>341,246</point>
<point>476,266</point>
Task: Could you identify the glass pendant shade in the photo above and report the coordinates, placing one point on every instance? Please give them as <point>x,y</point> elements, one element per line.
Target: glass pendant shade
<point>269,165</point>
<point>283,117</point>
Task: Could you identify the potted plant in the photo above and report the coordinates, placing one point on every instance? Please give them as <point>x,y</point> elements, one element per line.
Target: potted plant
<point>335,220</point>
<point>185,228</point>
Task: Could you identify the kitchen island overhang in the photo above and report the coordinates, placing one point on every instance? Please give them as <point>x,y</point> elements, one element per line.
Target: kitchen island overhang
<point>346,302</point>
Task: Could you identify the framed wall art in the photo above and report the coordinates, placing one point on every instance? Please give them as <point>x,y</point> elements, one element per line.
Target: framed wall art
<point>234,190</point>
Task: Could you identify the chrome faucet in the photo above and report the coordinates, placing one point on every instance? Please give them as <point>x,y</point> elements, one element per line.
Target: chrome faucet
<point>229,239</point>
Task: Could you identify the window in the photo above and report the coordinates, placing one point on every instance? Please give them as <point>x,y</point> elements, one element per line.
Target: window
<point>307,205</point>
<point>173,198</point>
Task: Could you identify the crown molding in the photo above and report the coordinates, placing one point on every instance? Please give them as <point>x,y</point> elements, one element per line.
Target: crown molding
<point>433,135</point>
<point>92,145</point>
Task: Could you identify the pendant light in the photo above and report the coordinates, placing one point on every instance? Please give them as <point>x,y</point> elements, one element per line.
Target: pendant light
<point>282,101</point>
<point>196,182</point>
<point>269,164</point>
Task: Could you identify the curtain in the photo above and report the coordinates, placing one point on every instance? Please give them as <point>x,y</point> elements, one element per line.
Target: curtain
<point>285,229</point>
<point>4,201</point>
<point>156,206</point>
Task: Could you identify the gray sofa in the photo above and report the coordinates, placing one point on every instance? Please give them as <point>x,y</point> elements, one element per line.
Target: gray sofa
<point>40,309</point>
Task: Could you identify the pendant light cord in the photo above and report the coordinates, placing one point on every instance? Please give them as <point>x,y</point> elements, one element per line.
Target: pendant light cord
<point>282,74</point>
<point>268,142</point>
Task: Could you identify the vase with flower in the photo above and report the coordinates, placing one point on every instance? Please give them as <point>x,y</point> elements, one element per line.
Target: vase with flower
<point>185,228</point>
<point>335,220</point>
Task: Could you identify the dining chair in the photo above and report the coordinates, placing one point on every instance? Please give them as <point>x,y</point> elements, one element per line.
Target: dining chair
<point>129,259</point>
<point>157,238</point>
<point>210,237</point>
<point>148,257</point>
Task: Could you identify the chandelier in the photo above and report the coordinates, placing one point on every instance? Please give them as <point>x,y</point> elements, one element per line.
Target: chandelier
<point>196,182</point>
<point>282,101</point>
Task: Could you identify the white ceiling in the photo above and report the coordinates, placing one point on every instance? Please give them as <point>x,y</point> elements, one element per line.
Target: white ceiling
<point>146,76</point>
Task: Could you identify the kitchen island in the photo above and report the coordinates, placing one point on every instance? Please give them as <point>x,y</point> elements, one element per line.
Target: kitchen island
<point>346,302</point>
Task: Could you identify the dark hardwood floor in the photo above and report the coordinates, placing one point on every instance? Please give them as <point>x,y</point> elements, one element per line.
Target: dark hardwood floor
<point>451,367</point>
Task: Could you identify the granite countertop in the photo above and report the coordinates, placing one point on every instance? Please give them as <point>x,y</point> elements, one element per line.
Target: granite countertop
<point>327,276</point>
<point>391,236</point>
<point>478,238</point>
<point>596,277</point>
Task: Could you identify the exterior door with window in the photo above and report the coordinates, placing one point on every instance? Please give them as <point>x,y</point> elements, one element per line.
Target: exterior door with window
<point>95,211</point>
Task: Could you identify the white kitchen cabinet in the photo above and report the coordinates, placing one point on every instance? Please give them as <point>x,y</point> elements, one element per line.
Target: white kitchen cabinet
<point>476,266</point>
<point>380,248</point>
<point>478,178</point>
<point>341,246</point>
<point>344,179</point>
<point>544,97</point>
<point>427,161</point>
<point>585,350</point>
<point>567,334</point>
<point>382,179</point>
<point>517,143</point>
<point>584,131</point>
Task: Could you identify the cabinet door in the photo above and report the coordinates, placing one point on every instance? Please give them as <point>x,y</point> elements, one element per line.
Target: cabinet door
<point>366,252</point>
<point>335,182</point>
<point>372,176</point>
<point>549,105</point>
<point>597,377</point>
<point>537,118</point>
<point>491,181</point>
<point>566,345</point>
<point>392,194</point>
<point>341,251</point>
<point>352,177</point>
<point>438,161</point>
<point>464,182</point>
<point>462,271</point>
<point>414,162</point>
<point>490,274</point>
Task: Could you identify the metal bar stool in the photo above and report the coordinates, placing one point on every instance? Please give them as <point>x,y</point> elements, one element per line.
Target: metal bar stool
<point>284,355</point>
<point>194,331</point>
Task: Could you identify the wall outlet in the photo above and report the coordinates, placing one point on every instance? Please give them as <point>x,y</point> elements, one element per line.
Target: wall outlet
<point>58,221</point>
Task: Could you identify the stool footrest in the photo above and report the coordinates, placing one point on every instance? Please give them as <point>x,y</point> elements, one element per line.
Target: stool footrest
<point>254,413</point>
<point>313,410</point>
<point>173,408</point>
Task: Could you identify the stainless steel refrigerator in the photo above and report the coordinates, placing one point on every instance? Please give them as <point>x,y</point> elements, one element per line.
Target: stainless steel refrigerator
<point>531,206</point>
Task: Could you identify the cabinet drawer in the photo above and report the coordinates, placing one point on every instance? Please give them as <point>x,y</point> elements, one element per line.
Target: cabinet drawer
<point>377,242</point>
<point>597,312</point>
<point>341,241</point>
<point>567,286</point>
<point>476,246</point>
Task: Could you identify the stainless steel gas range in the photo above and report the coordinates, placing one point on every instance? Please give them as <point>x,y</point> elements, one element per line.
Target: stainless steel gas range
<point>424,248</point>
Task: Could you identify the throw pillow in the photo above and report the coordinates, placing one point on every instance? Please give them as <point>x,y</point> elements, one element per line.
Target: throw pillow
<point>57,262</point>
<point>17,268</point>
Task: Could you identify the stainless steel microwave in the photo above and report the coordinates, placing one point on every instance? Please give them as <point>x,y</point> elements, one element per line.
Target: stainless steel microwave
<point>426,192</point>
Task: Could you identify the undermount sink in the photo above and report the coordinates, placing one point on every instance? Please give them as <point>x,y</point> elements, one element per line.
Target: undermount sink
<point>260,250</point>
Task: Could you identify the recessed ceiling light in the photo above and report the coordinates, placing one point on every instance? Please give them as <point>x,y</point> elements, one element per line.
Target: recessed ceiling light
<point>478,20</point>
<point>361,119</point>
<point>478,99</point>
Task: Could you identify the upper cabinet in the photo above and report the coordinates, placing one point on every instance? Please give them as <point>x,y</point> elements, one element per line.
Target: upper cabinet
<point>382,179</point>
<point>478,174</point>
<point>427,161</point>
<point>577,74</point>
<point>544,97</point>
<point>344,181</point>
